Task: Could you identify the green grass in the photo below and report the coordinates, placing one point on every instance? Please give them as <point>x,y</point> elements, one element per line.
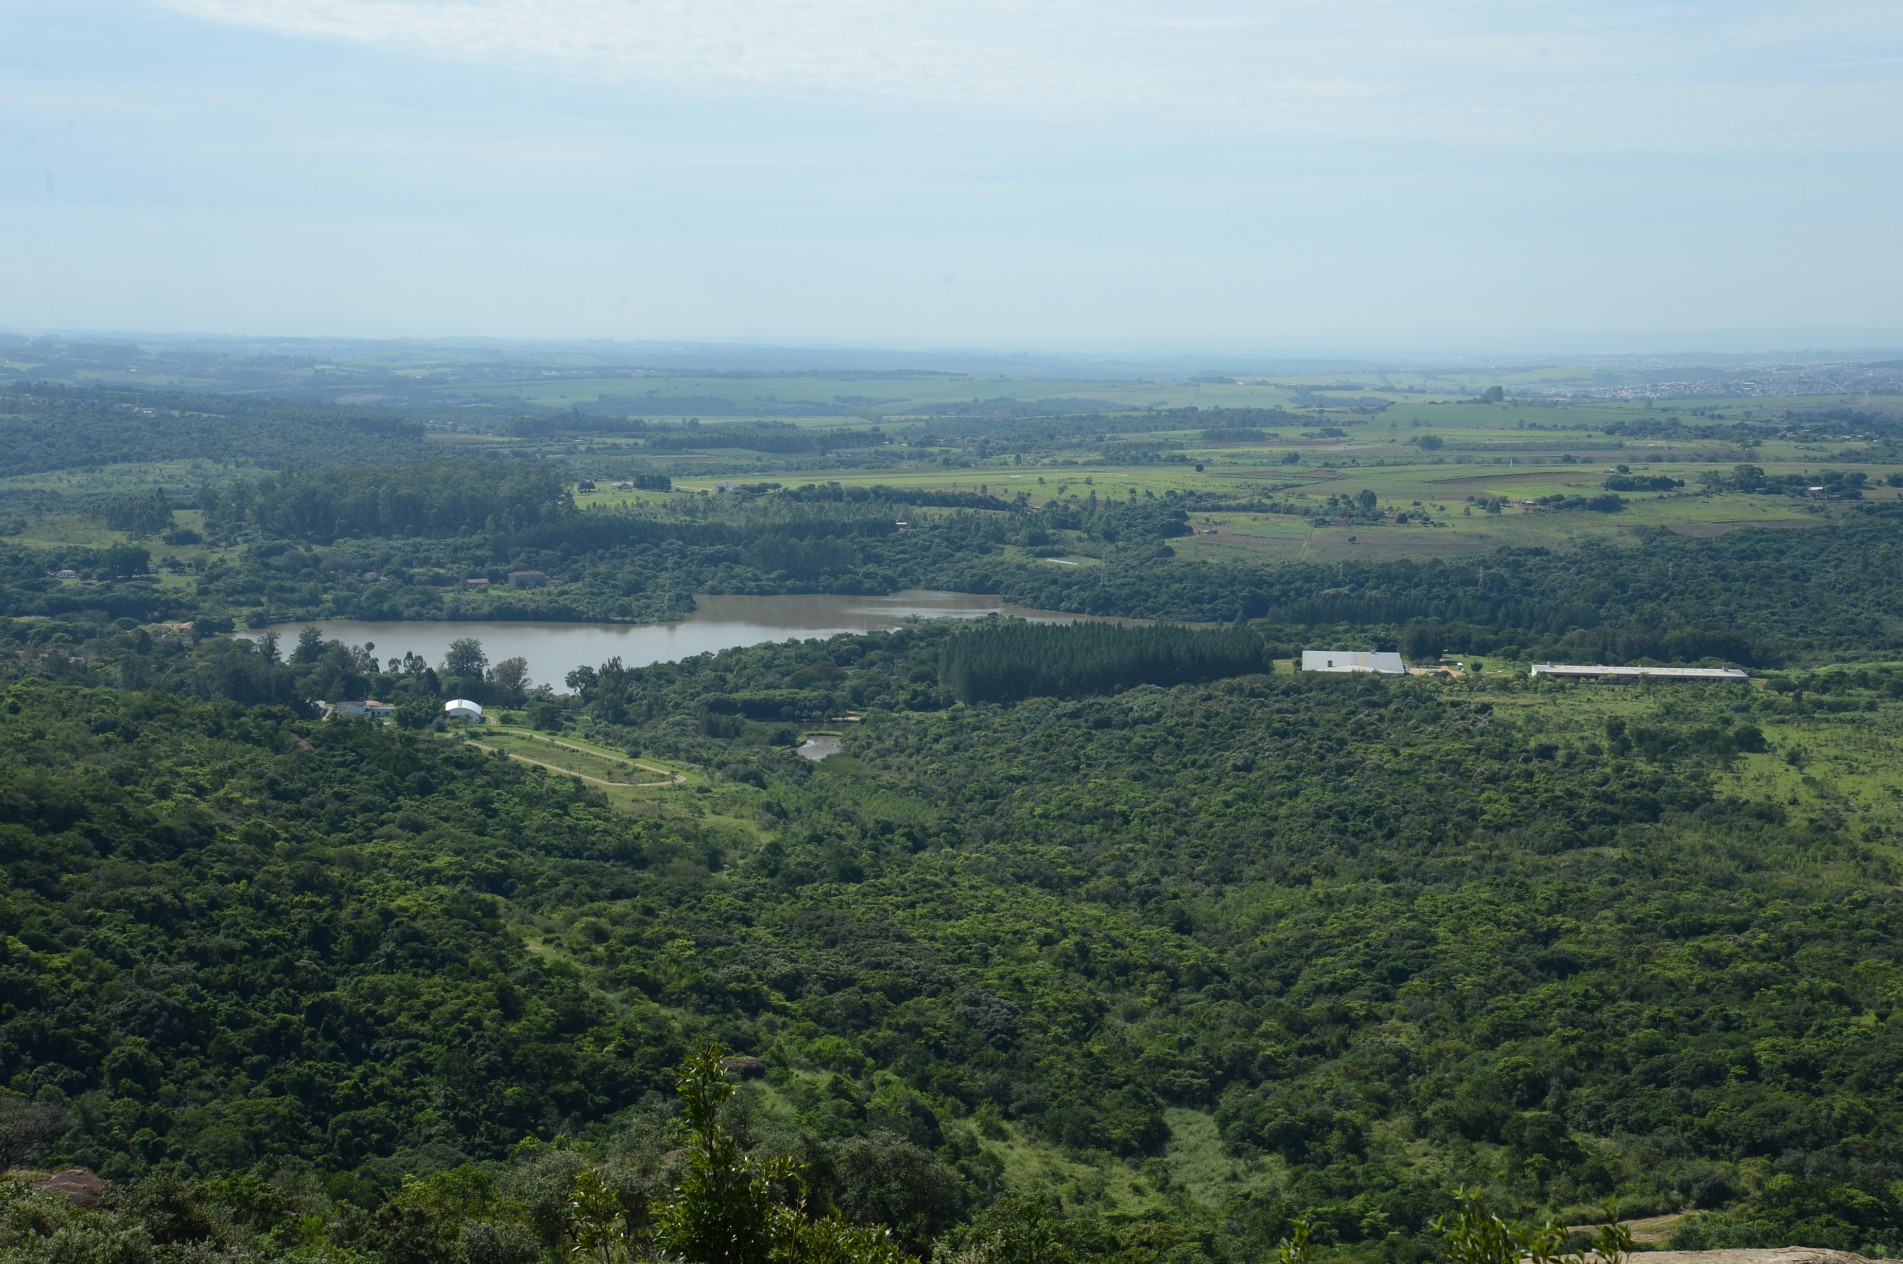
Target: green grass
<point>1512,450</point>
<point>1198,1164</point>
<point>1505,449</point>
<point>856,399</point>
<point>626,781</point>
<point>1848,762</point>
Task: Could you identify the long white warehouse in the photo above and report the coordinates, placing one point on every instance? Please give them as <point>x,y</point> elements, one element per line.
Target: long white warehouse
<point>1602,672</point>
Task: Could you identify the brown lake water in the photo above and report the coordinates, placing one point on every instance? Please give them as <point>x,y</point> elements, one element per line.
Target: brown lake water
<point>555,649</point>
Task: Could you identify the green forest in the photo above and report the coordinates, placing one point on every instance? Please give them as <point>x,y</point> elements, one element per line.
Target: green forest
<point>1115,941</point>
<point>1379,939</point>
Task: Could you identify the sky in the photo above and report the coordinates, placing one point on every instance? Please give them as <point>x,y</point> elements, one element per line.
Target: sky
<point>1213,175</point>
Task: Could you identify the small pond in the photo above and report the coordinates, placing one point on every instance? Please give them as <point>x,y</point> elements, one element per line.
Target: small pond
<point>819,746</point>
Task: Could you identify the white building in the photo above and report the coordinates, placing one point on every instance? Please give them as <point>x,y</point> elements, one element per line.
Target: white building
<point>369,709</point>
<point>1596,671</point>
<point>462,709</point>
<point>1384,662</point>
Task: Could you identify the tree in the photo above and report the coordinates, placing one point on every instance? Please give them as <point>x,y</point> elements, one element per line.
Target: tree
<point>310,645</point>
<point>726,1212</point>
<point>125,559</point>
<point>1428,442</point>
<point>26,1127</point>
<point>1018,1230</point>
<point>1470,1234</point>
<point>511,679</point>
<point>734,1207</point>
<point>465,658</point>
<point>417,713</point>
<point>1423,642</point>
<point>138,515</point>
<point>884,1179</point>
<point>602,1230</point>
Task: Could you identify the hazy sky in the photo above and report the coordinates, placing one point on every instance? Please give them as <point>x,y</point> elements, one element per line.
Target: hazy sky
<point>1200,174</point>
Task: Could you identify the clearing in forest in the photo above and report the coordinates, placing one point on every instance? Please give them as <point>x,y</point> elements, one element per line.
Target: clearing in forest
<point>593,764</point>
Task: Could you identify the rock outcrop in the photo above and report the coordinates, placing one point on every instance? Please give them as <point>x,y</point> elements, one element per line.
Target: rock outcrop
<point>78,1186</point>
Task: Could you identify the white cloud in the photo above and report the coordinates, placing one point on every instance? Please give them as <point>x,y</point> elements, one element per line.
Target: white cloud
<point>1582,76</point>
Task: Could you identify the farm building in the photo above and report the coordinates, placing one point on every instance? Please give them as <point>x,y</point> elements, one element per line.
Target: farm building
<point>527,579</point>
<point>462,709</point>
<point>1386,663</point>
<point>1564,671</point>
<point>369,709</point>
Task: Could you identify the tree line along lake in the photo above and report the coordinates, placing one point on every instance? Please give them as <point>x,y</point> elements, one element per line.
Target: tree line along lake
<point>717,623</point>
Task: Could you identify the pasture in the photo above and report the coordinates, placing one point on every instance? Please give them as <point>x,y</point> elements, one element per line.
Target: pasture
<point>625,780</point>
<point>1421,441</point>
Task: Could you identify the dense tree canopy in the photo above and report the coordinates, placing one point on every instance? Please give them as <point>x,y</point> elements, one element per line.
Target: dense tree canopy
<point>1343,921</point>
<point>48,427</point>
<point>1094,942</point>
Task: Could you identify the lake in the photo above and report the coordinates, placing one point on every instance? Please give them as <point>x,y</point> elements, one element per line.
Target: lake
<point>719,623</point>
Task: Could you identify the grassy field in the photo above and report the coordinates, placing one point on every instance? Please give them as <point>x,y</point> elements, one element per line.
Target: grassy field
<point>852,398</point>
<point>1817,761</point>
<point>1430,451</point>
<point>623,778</point>
<point>1441,488</point>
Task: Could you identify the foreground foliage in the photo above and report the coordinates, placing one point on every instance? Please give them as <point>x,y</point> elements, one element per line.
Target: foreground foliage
<point>1370,938</point>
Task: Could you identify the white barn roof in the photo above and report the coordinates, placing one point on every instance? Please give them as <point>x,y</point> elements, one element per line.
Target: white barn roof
<point>1599,671</point>
<point>1387,663</point>
<point>462,706</point>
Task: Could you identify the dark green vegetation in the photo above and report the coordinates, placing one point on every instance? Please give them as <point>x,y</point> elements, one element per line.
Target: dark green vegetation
<point>1009,661</point>
<point>56,427</point>
<point>434,499</point>
<point>1834,484</point>
<point>1375,937</point>
<point>1096,943</point>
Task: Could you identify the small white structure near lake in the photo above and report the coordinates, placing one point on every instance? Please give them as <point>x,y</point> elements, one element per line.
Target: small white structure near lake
<point>1601,672</point>
<point>462,709</point>
<point>1385,662</point>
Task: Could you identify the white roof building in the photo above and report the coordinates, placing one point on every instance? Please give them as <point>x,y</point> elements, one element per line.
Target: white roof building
<point>1599,671</point>
<point>463,709</point>
<point>1384,662</point>
<point>367,710</point>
